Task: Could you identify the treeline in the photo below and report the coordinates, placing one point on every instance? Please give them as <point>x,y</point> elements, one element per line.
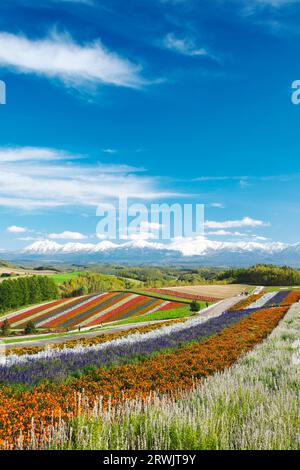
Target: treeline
<point>158,276</point>
<point>15,293</point>
<point>263,274</point>
<point>88,283</point>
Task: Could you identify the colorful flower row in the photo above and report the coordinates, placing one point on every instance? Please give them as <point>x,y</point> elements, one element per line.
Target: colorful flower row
<point>168,372</point>
<point>89,311</point>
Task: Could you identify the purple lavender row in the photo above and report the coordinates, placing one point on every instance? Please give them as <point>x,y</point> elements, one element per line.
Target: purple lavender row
<point>64,365</point>
<point>277,299</point>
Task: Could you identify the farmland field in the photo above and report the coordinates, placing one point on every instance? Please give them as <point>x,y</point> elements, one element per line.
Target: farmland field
<point>207,291</point>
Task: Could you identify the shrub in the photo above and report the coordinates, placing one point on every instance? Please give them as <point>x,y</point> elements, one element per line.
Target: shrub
<point>30,328</point>
<point>195,306</point>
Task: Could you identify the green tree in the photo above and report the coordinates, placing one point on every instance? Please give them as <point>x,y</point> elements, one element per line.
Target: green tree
<point>5,328</point>
<point>194,306</point>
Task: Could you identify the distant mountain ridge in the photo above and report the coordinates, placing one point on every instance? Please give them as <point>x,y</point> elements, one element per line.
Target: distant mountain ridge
<point>182,251</point>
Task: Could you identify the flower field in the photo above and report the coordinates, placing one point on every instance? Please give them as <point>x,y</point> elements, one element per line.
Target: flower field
<point>89,311</point>
<point>242,408</point>
<point>41,390</point>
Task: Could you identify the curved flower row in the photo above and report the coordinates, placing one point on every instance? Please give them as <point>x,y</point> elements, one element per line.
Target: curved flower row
<point>57,365</point>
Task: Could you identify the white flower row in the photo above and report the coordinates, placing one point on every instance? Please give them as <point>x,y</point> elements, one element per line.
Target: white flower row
<point>263,300</point>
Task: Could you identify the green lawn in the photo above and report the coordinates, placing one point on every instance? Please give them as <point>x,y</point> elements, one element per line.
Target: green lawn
<point>62,277</point>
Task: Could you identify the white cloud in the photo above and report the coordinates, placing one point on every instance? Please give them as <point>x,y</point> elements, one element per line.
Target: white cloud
<point>58,56</point>
<point>217,205</point>
<point>245,222</point>
<point>18,154</point>
<point>184,45</point>
<point>16,229</point>
<point>67,235</point>
<point>32,183</point>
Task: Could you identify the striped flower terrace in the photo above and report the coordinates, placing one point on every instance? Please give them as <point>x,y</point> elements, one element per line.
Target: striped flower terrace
<point>89,311</point>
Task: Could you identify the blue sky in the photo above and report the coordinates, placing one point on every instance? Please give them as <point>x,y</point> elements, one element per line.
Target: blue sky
<point>161,100</point>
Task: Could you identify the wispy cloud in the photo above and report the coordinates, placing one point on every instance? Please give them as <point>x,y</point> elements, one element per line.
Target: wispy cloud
<point>16,229</point>
<point>250,7</point>
<point>225,233</point>
<point>183,45</point>
<point>28,154</point>
<point>31,183</point>
<point>58,56</point>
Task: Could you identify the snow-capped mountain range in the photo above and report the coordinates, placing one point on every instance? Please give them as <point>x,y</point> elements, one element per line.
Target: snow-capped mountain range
<point>185,250</point>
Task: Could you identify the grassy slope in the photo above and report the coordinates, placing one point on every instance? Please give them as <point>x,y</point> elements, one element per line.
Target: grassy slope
<point>62,277</point>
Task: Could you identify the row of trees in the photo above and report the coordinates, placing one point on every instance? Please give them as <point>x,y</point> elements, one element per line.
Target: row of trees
<point>263,274</point>
<point>15,293</point>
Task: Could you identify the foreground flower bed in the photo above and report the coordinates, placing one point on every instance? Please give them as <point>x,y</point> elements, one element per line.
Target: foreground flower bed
<point>167,373</point>
<point>253,405</point>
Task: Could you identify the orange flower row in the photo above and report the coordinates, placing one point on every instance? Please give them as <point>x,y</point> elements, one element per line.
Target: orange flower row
<point>292,298</point>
